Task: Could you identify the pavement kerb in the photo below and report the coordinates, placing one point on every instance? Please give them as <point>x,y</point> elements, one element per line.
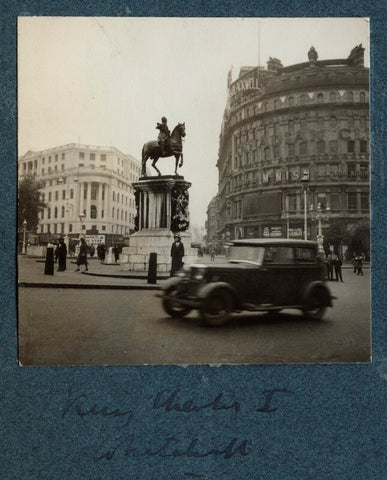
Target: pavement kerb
<point>88,286</point>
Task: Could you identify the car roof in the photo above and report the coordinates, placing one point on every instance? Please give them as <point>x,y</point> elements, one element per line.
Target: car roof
<point>273,241</point>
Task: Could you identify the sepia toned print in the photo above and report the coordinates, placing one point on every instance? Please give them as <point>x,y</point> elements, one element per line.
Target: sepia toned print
<point>175,208</point>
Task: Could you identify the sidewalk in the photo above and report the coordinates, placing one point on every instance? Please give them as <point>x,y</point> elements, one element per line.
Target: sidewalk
<point>31,274</point>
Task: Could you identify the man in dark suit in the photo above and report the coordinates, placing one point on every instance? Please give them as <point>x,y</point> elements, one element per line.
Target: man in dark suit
<point>177,254</point>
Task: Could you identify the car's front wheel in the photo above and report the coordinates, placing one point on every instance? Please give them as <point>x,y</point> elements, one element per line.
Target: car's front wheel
<point>216,308</point>
<point>315,307</point>
<point>173,307</point>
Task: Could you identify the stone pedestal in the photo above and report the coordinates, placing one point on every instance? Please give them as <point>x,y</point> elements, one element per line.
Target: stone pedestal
<point>162,211</point>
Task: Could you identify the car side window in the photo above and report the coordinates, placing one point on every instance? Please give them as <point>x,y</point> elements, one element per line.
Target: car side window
<point>277,255</point>
<point>305,255</point>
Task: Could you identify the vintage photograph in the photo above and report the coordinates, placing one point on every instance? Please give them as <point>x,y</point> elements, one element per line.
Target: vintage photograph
<point>193,191</point>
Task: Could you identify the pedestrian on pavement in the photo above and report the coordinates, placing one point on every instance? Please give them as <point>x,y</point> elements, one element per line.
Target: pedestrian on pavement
<point>61,254</point>
<point>82,256</point>
<point>330,267</point>
<point>177,254</point>
<point>92,251</point>
<point>101,251</point>
<point>359,265</point>
<point>337,263</point>
<point>212,255</point>
<point>116,252</point>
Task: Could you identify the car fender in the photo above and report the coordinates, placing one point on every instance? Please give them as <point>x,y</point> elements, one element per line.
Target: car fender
<point>319,285</point>
<point>207,289</point>
<point>171,282</point>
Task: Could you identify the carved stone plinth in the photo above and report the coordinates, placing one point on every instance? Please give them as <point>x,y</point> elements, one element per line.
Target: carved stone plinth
<point>162,211</point>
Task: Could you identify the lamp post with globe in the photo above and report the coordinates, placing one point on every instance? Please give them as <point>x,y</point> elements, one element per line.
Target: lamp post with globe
<point>23,252</point>
<point>320,214</point>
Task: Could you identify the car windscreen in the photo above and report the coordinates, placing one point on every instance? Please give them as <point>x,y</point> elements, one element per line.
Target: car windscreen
<point>246,253</point>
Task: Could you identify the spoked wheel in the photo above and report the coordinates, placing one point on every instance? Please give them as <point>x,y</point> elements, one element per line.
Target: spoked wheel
<point>315,305</point>
<point>216,309</point>
<point>172,307</point>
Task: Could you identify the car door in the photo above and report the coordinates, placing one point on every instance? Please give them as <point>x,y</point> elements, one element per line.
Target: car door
<point>277,275</point>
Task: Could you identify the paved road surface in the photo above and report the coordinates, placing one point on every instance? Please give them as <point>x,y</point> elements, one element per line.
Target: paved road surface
<point>95,327</point>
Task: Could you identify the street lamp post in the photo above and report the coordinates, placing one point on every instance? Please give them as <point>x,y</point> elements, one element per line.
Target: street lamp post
<point>320,215</point>
<point>305,186</point>
<point>286,217</point>
<point>24,237</point>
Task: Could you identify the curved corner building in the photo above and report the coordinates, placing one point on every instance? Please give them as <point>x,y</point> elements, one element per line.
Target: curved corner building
<point>307,121</point>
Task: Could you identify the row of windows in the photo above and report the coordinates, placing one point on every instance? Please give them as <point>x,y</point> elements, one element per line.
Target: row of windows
<point>60,228</point>
<point>335,201</point>
<point>267,154</point>
<point>118,214</point>
<point>302,124</point>
<point>301,100</point>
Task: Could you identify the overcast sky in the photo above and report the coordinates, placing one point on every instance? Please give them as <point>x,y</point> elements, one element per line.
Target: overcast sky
<point>107,81</point>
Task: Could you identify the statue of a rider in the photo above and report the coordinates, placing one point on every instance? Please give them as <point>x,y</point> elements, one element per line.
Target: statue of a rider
<point>164,135</point>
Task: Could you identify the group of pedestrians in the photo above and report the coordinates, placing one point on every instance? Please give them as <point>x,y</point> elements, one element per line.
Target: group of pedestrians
<point>334,264</point>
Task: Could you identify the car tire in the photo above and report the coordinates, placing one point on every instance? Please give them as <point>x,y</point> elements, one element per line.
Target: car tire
<point>170,307</point>
<point>315,306</point>
<point>216,308</point>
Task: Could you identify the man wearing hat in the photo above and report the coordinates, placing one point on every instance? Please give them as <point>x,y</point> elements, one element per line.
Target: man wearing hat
<point>163,135</point>
<point>177,254</point>
<point>61,254</point>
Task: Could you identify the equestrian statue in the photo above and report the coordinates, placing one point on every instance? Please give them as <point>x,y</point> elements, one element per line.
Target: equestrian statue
<point>167,145</point>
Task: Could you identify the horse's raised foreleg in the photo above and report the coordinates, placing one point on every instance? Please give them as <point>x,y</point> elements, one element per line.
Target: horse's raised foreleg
<point>154,166</point>
<point>181,160</point>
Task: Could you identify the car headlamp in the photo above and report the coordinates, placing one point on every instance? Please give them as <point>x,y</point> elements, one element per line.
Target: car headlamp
<point>198,273</point>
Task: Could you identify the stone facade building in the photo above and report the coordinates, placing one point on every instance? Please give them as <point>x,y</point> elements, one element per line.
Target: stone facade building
<point>282,124</point>
<point>86,188</point>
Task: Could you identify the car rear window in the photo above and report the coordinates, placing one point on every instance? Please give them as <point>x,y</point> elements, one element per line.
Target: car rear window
<point>278,255</point>
<point>305,254</point>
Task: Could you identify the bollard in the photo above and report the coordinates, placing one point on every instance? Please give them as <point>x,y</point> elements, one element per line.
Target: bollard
<point>152,268</point>
<point>49,264</point>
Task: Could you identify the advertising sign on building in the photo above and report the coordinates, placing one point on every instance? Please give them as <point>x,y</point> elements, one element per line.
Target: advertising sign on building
<point>272,232</point>
<point>295,232</point>
<point>94,239</point>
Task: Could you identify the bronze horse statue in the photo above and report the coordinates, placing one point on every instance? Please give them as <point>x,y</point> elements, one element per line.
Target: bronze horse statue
<point>174,148</point>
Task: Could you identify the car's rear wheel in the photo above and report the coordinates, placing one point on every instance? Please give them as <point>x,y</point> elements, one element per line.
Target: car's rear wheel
<point>315,306</point>
<point>173,307</point>
<point>216,308</point>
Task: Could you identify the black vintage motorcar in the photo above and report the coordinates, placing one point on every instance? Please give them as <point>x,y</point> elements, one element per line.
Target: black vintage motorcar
<point>258,275</point>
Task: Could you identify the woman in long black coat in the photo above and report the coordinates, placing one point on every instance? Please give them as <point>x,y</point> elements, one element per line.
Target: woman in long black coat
<point>82,257</point>
<point>177,254</point>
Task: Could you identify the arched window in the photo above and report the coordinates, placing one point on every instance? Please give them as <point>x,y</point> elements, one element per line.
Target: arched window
<point>63,211</point>
<point>267,153</point>
<point>114,196</point>
<point>320,97</point>
<point>277,151</point>
<point>362,97</point>
<point>332,96</point>
<point>350,96</point>
<point>122,214</point>
<point>93,211</point>
<point>291,101</point>
<point>113,212</point>
<point>56,212</point>
<point>303,148</point>
<point>118,213</point>
<point>321,146</point>
<point>302,99</point>
<point>291,149</point>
